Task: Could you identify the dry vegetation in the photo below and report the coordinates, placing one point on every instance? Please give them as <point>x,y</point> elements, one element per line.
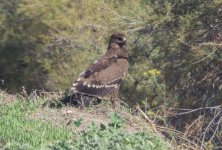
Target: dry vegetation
<point>24,120</point>
<point>76,120</point>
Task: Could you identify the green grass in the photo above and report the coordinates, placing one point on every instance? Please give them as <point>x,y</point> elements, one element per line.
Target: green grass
<point>18,131</point>
<point>112,137</point>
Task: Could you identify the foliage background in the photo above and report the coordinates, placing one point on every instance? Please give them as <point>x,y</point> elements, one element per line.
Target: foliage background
<point>174,46</point>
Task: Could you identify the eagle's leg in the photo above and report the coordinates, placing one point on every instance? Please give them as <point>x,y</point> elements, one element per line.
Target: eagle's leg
<point>82,103</point>
<point>114,97</point>
<point>113,101</point>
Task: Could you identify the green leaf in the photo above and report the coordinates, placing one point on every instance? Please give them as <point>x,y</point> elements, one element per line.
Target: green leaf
<point>78,122</point>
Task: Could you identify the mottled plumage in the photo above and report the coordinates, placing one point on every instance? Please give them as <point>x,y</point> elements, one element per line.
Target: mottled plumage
<point>103,77</point>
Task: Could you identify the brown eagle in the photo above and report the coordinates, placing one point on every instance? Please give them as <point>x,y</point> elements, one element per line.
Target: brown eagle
<point>103,77</point>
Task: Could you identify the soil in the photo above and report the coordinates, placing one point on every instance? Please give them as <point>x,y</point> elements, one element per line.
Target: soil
<point>98,114</point>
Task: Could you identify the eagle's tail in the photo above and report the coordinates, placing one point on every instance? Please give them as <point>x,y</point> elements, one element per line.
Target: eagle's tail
<point>80,100</point>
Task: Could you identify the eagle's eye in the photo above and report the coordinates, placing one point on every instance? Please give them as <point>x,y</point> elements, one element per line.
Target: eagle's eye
<point>120,39</point>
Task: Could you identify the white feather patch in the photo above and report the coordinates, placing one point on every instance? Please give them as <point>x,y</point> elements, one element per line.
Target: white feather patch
<point>95,62</point>
<point>97,85</point>
<point>72,88</point>
<point>79,79</point>
<point>74,84</point>
<point>82,73</point>
<point>115,80</point>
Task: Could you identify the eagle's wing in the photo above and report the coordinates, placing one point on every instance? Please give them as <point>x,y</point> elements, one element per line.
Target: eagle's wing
<point>103,76</point>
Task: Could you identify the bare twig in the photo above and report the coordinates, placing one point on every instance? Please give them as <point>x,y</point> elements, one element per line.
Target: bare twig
<point>94,25</point>
<point>207,128</point>
<point>147,119</point>
<point>188,111</point>
<point>205,57</point>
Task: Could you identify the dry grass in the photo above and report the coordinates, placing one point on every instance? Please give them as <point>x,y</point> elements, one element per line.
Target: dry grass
<point>134,119</point>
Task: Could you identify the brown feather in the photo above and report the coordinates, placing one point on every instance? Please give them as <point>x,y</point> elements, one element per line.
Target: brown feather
<point>103,77</point>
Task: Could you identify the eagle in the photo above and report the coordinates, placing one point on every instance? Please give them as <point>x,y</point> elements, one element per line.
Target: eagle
<point>101,80</point>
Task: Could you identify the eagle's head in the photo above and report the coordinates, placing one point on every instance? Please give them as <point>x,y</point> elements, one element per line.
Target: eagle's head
<point>118,38</point>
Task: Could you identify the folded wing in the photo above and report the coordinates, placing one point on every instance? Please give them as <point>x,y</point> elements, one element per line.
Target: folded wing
<point>102,77</point>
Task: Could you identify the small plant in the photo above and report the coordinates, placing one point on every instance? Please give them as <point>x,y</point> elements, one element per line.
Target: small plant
<point>112,137</point>
<point>115,120</point>
<point>78,122</point>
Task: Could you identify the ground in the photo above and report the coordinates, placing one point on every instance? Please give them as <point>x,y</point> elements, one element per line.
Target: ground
<point>32,121</point>
<point>96,114</point>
